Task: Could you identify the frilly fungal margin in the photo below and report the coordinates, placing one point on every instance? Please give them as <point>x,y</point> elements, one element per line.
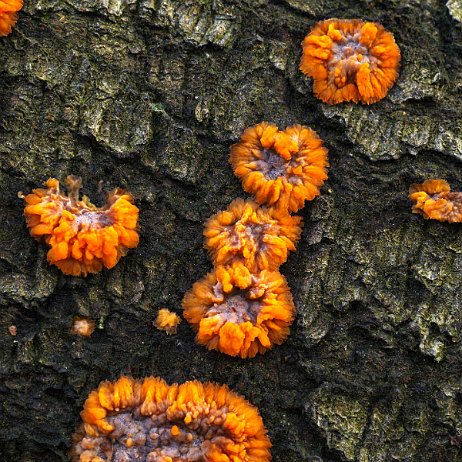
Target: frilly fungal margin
<point>8,15</point>
<point>240,313</point>
<point>434,200</point>
<point>350,60</point>
<point>244,307</point>
<point>258,237</point>
<point>167,321</point>
<point>282,169</point>
<point>149,420</point>
<point>83,238</point>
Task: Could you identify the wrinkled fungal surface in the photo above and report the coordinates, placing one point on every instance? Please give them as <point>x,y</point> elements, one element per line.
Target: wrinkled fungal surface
<point>147,420</point>
<point>83,238</point>
<point>149,96</point>
<point>350,60</point>
<point>435,201</point>
<point>281,168</point>
<point>256,237</point>
<point>240,313</point>
<point>151,440</point>
<point>167,321</point>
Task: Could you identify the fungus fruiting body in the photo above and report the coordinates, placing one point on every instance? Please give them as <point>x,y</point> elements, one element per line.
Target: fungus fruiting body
<point>244,306</point>
<point>167,321</point>
<point>148,420</point>
<point>350,60</point>
<point>434,200</point>
<point>258,237</point>
<point>8,15</point>
<point>282,169</point>
<point>240,313</point>
<point>83,238</point>
<point>83,326</point>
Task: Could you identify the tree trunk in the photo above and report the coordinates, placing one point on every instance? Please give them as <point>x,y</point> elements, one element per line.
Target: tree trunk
<point>149,95</point>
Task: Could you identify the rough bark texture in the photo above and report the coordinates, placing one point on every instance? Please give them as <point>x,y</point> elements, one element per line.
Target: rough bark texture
<point>149,95</point>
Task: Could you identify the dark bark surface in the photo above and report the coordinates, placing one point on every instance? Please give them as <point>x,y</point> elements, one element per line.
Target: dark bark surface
<point>149,95</point>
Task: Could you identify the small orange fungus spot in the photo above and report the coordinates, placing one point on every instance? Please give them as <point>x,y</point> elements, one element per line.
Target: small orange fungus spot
<point>83,326</point>
<point>240,316</point>
<point>257,237</point>
<point>350,60</point>
<point>282,169</point>
<point>130,420</point>
<point>434,200</point>
<point>167,321</point>
<point>83,238</point>
<point>8,15</point>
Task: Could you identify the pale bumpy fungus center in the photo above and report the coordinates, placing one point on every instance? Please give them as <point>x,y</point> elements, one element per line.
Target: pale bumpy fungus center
<point>156,438</point>
<point>242,232</point>
<point>272,165</point>
<point>95,220</point>
<point>86,215</point>
<point>348,55</point>
<point>453,203</point>
<point>236,308</point>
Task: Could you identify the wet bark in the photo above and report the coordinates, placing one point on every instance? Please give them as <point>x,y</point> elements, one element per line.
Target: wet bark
<point>149,95</point>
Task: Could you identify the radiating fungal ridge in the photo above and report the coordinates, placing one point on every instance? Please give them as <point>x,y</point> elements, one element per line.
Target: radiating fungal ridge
<point>240,313</point>
<point>350,60</point>
<point>167,321</point>
<point>148,420</point>
<point>83,237</point>
<point>257,237</point>
<point>8,15</point>
<point>434,200</point>
<point>281,169</point>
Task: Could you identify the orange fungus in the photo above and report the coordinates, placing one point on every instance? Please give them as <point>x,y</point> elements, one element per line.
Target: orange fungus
<point>8,15</point>
<point>257,237</point>
<point>434,200</point>
<point>167,321</point>
<point>350,60</point>
<point>240,314</point>
<point>83,238</point>
<point>83,326</point>
<point>281,169</point>
<point>149,420</point>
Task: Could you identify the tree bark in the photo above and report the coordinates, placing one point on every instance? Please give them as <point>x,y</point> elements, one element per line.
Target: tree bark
<point>149,95</point>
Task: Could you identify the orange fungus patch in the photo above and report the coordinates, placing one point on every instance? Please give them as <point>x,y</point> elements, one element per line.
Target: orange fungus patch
<point>245,233</point>
<point>83,326</point>
<point>83,238</point>
<point>434,200</point>
<point>8,15</point>
<point>240,314</point>
<point>167,321</point>
<point>350,60</point>
<point>149,420</point>
<point>281,169</point>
